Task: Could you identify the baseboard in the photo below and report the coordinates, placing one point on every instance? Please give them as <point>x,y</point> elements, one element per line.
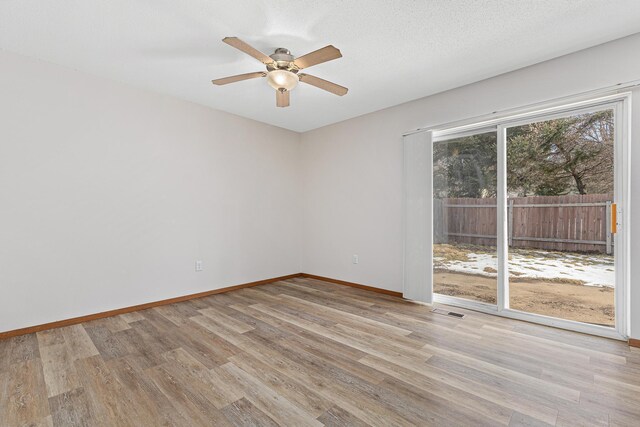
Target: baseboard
<point>89,317</point>
<point>353,285</point>
<point>633,342</point>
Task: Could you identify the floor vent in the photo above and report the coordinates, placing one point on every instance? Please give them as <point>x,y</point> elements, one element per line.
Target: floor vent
<point>448,313</point>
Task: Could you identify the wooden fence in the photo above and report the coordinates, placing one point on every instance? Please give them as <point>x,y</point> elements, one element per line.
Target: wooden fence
<point>561,223</point>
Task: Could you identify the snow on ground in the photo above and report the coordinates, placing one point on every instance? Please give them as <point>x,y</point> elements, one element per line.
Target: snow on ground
<point>592,270</point>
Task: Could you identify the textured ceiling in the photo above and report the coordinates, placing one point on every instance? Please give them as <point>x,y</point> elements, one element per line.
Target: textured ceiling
<point>393,50</point>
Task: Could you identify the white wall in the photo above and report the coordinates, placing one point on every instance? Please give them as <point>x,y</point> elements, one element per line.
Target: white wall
<point>352,198</point>
<point>108,195</point>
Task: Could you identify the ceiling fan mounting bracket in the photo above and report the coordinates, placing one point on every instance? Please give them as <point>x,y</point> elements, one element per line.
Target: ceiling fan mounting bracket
<point>282,50</point>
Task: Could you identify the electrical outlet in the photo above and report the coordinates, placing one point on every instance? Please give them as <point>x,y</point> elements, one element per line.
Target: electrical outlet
<point>355,259</point>
<point>198,265</point>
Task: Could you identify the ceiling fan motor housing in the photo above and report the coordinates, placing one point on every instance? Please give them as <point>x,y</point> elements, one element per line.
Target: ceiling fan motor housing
<point>283,60</point>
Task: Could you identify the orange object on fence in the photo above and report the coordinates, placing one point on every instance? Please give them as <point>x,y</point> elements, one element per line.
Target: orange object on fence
<point>614,218</point>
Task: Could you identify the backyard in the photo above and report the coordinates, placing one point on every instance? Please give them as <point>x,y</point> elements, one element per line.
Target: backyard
<point>569,285</point>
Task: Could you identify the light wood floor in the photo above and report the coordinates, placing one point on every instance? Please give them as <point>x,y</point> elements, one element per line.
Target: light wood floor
<point>305,352</point>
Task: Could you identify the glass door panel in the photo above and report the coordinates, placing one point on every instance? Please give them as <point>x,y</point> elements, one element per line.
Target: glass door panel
<point>464,218</point>
<point>560,187</point>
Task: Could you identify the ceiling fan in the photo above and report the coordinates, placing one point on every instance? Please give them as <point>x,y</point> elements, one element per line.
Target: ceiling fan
<point>283,69</point>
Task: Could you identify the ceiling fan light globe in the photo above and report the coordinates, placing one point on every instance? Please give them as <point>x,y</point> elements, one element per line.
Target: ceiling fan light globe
<point>282,79</point>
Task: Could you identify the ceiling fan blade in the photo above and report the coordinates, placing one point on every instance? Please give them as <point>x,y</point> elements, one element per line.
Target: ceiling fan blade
<point>316,57</point>
<point>238,78</point>
<point>246,48</point>
<point>282,98</point>
<point>323,84</point>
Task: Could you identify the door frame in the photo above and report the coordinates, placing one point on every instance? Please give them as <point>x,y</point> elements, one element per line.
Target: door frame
<point>620,104</point>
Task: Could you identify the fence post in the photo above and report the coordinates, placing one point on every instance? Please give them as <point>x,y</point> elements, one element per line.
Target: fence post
<point>438,231</point>
<point>608,220</point>
<point>510,218</point>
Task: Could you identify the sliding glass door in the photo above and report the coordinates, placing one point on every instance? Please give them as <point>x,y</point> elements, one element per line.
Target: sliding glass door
<point>527,215</point>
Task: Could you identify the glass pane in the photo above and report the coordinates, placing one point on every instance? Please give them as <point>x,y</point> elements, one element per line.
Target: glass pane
<point>560,178</point>
<point>464,201</point>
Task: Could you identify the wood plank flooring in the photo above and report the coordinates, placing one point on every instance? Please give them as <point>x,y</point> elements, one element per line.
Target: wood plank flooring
<point>310,353</point>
